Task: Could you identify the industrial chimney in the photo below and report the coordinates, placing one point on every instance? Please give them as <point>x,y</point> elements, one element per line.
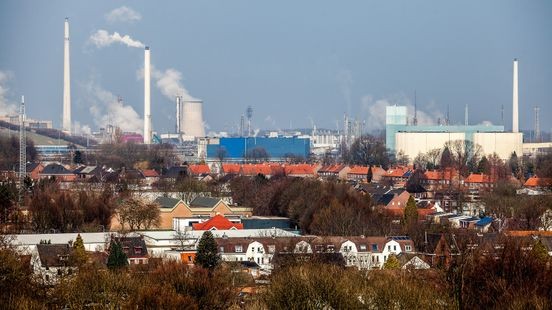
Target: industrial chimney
<point>66,126</point>
<point>515,117</point>
<point>178,114</point>
<point>147,97</point>
<point>192,120</point>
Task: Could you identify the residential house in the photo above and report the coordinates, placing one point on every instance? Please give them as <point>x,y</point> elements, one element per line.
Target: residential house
<point>217,222</point>
<point>229,168</point>
<point>151,177</point>
<point>397,176</point>
<point>85,173</point>
<point>134,248</point>
<point>337,171</point>
<point>438,249</point>
<point>34,170</point>
<point>536,182</point>
<point>52,261</point>
<point>301,170</point>
<point>58,172</point>
<point>199,171</point>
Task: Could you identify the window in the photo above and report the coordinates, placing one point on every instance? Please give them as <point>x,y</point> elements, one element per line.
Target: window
<point>363,247</point>
<point>374,247</point>
<point>238,248</point>
<point>407,248</point>
<point>331,248</point>
<point>394,248</point>
<point>138,250</point>
<point>271,248</point>
<point>389,248</point>
<point>260,249</point>
<point>189,258</point>
<point>221,249</point>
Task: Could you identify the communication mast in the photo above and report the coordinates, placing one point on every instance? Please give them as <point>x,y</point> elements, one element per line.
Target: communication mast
<point>22,151</point>
<point>537,124</point>
<point>249,112</point>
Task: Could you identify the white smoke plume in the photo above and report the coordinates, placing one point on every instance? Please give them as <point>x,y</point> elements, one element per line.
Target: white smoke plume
<point>6,107</point>
<point>107,110</point>
<point>169,82</point>
<point>375,111</point>
<point>123,14</point>
<point>103,38</point>
<point>345,80</point>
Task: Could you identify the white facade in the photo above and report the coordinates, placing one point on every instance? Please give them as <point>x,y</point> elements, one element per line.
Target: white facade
<point>413,143</point>
<point>501,143</point>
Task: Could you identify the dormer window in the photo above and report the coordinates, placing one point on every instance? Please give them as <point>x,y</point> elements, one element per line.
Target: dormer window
<point>137,250</point>
<point>238,248</point>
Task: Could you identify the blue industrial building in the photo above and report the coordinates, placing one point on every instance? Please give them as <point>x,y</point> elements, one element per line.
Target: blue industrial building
<point>236,149</point>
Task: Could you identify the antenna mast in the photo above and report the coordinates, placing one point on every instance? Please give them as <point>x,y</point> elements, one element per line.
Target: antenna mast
<point>537,124</point>
<point>415,121</point>
<point>22,151</point>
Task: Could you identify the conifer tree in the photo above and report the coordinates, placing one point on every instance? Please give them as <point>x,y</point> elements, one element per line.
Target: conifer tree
<point>539,251</point>
<point>79,253</point>
<point>410,212</point>
<point>117,258</point>
<point>369,175</point>
<point>392,262</point>
<point>207,254</point>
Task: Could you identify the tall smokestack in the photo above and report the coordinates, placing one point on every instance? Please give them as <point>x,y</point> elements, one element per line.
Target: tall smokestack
<point>66,126</point>
<point>147,97</point>
<point>515,117</point>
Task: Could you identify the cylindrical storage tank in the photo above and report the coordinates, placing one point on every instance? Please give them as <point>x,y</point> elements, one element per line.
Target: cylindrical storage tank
<point>192,118</point>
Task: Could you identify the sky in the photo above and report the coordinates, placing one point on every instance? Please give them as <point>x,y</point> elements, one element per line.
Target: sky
<point>297,63</point>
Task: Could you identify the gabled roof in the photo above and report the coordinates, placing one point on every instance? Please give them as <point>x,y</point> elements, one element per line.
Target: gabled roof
<point>359,170</point>
<point>150,173</point>
<point>31,166</point>
<point>218,222</point>
<point>199,169</point>
<point>55,169</point>
<point>332,168</point>
<point>255,169</point>
<point>167,202</point>
<point>299,169</point>
<point>176,172</point>
<point>437,175</point>
<point>87,170</point>
<point>478,178</point>
<point>231,168</point>
<point>484,221</point>
<point>396,172</point>
<point>54,255</point>
<point>204,202</point>
<point>535,181</point>
<point>134,247</point>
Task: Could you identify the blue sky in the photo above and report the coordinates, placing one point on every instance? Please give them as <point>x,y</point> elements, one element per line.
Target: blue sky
<point>292,61</point>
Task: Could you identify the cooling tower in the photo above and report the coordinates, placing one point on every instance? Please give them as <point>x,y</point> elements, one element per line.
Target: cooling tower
<point>192,118</point>
<point>66,126</point>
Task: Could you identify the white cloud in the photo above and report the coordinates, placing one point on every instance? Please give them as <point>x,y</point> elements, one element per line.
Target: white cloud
<point>374,109</point>
<point>6,107</point>
<point>103,38</point>
<point>123,14</point>
<point>107,110</point>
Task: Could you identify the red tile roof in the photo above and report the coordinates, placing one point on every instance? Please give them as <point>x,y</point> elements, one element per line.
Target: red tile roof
<point>440,175</point>
<point>255,169</point>
<point>396,172</point>
<point>359,170</point>
<point>331,168</point>
<point>150,173</point>
<point>199,169</point>
<point>231,168</point>
<point>219,222</point>
<point>535,181</point>
<point>299,169</point>
<point>478,178</point>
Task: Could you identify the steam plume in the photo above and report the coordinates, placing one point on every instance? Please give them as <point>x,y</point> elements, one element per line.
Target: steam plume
<point>6,108</point>
<point>102,38</point>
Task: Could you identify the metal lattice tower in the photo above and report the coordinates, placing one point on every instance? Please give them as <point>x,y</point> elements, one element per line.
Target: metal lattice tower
<point>22,150</point>
<point>249,113</point>
<point>415,120</point>
<point>537,124</point>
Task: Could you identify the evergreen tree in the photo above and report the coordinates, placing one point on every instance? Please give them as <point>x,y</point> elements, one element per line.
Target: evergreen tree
<point>117,258</point>
<point>514,165</point>
<point>392,263</point>
<point>539,251</point>
<point>77,157</point>
<point>370,174</point>
<point>410,212</point>
<point>79,253</point>
<point>207,253</point>
<point>483,166</point>
<point>446,159</point>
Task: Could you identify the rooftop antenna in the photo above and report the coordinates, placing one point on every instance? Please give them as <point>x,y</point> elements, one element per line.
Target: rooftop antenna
<point>22,152</point>
<point>466,115</point>
<point>537,124</point>
<point>502,114</point>
<point>415,121</point>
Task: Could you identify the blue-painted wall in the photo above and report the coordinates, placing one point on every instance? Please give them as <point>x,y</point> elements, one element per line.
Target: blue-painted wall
<point>277,148</point>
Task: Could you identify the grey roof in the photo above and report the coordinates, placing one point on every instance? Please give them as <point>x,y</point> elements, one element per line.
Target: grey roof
<point>55,169</point>
<point>31,166</point>
<point>54,255</point>
<point>167,202</point>
<point>134,247</point>
<point>204,202</point>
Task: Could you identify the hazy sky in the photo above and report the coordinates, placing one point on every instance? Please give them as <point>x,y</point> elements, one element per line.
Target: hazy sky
<point>293,61</point>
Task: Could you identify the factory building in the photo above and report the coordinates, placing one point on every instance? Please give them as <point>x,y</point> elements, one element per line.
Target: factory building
<point>413,139</point>
<point>240,148</point>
